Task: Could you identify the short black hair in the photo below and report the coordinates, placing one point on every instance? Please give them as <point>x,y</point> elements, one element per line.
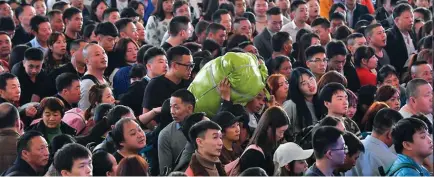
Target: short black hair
<point>193,46</point>
<point>101,162</point>
<point>329,90</point>
<point>59,5</point>
<point>69,12</point>
<point>211,45</point>
<point>425,12</point>
<point>106,29</point>
<point>7,24</point>
<point>177,24</point>
<point>385,119</point>
<point>65,156</point>
<point>151,53</point>
<point>8,115</point>
<point>323,139</point>
<point>235,40</point>
<point>108,11</point>
<point>363,53</point>
<point>122,23</point>
<point>52,13</point>
<point>199,129</point>
<point>404,131</point>
<point>351,38</point>
<point>384,72</point>
<point>175,53</point>
<point>88,30</point>
<point>335,47</point>
<point>4,77</point>
<point>295,4</point>
<point>135,4</point>
<point>329,121</point>
<point>250,16</point>
<point>361,24</point>
<point>337,16</point>
<point>64,81</point>
<point>189,122</point>
<point>273,11</point>
<point>426,120</point>
<point>186,96</point>
<point>201,26</point>
<point>368,17</point>
<point>117,133</point>
<point>36,21</point>
<point>369,28</point>
<point>214,27</point>
<point>178,4</point>
<point>313,50</point>
<point>24,140</point>
<point>401,8</point>
<point>34,54</point>
<point>342,32</point>
<point>278,40</point>
<point>353,143</point>
<point>75,44</point>
<point>229,7</point>
<point>427,41</point>
<point>137,71</point>
<point>321,21</point>
<point>216,16</point>
<point>336,6</point>
<point>254,171</point>
<point>129,13</point>
<point>20,9</point>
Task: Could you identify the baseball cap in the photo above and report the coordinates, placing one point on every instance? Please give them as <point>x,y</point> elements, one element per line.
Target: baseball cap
<point>289,152</point>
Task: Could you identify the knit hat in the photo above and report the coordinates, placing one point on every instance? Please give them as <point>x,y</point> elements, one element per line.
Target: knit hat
<point>289,152</point>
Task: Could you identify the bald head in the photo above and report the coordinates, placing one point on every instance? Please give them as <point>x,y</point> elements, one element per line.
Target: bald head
<point>9,116</point>
<point>95,57</point>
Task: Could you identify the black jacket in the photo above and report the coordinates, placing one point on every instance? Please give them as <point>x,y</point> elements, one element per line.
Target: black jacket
<point>134,96</point>
<point>21,168</point>
<point>358,12</point>
<point>350,73</point>
<point>64,128</point>
<point>263,42</point>
<point>396,48</point>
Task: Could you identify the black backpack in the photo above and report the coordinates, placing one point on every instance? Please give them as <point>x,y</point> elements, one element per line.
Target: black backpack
<point>392,171</point>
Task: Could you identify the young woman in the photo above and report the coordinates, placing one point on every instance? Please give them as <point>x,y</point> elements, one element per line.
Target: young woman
<point>260,8</point>
<point>132,166</point>
<point>304,108</point>
<point>97,8</point>
<point>281,65</point>
<point>278,87</point>
<point>389,95</point>
<point>40,7</point>
<point>56,55</point>
<point>126,50</point>
<point>104,164</point>
<point>366,61</point>
<point>128,137</point>
<point>368,119</point>
<point>141,32</point>
<point>139,7</point>
<point>157,24</point>
<point>98,94</point>
<point>308,39</point>
<point>269,132</point>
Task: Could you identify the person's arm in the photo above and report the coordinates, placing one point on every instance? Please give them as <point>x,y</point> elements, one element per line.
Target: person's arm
<point>224,89</point>
<point>164,151</point>
<point>147,117</point>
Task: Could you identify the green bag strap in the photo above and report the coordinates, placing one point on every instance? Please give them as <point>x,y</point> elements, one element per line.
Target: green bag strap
<point>401,166</point>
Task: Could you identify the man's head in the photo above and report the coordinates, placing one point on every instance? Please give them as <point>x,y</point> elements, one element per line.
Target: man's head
<point>178,27</point>
<point>9,117</point>
<point>313,8</point>
<point>351,4</point>
<point>32,148</point>
<point>355,147</point>
<point>61,5</point>
<point>10,88</point>
<point>106,33</point>
<point>335,99</point>
<point>243,26</point>
<point>411,138</point>
<point>257,103</point>
<point>316,60</point>
<point>68,86</point>
<point>376,35</point>
<point>111,15</point>
<point>77,4</point>
<point>24,13</point>
<point>200,31</point>
<point>419,96</point>
<point>95,57</point>
<point>230,125</point>
<point>300,11</point>
<point>387,75</point>
<point>56,22</point>
<point>260,8</point>
<point>422,70</point>
<point>181,8</point>
<point>384,120</point>
<point>73,19</point>
<point>182,103</point>
<point>274,20</point>
<point>73,160</point>
<point>41,27</point>
<point>354,41</point>
<point>216,32</point>
<point>7,25</point>
<point>33,59</point>
<point>206,136</point>
<point>5,9</point>
<point>282,42</point>
<point>127,29</point>
<point>403,17</point>
<point>329,145</point>
<point>337,20</point>
<point>223,17</point>
<point>40,7</point>
<point>336,53</point>
<point>5,45</point>
<point>321,27</point>
<point>423,3</point>
<point>156,61</point>
<point>240,7</point>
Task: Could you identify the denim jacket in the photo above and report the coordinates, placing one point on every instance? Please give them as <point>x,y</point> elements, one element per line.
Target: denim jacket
<point>408,171</point>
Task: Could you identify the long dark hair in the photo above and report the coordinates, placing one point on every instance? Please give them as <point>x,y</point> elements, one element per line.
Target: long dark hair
<point>303,114</point>
<point>95,96</point>
<point>160,14</point>
<point>50,62</point>
<point>93,7</point>
<point>302,45</point>
<point>120,50</point>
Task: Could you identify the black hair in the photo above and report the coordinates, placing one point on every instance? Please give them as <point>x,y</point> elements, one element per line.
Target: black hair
<point>36,21</point>
<point>117,133</point>
<point>177,24</point>
<point>278,40</point>
<point>235,40</point>
<point>101,111</point>
<point>337,16</point>
<point>334,48</point>
<point>4,77</point>
<point>193,47</point>
<point>401,8</point>
<point>151,53</point>
<point>313,50</point>
<point>101,163</point>
<point>273,11</point>
<point>296,4</point>
<point>214,27</point>
<point>160,11</point>
<point>321,21</point>
<point>186,96</point>
<point>216,16</point>
<point>342,32</point>
<point>175,53</point>
<point>323,139</point>
<point>369,28</point>
<point>363,53</point>
<point>368,17</point>
<point>329,90</point>
<point>404,131</point>
<point>34,54</point>
<point>201,26</point>
<point>202,58</point>
<point>59,5</point>
<point>122,23</point>
<point>426,121</point>
<point>8,115</point>
<point>425,12</point>
<point>189,122</point>
<point>65,157</point>
<point>350,40</point>
<point>115,114</point>
<point>7,24</point>
<point>69,12</point>
<point>20,9</point>
<point>329,121</point>
<point>353,143</point>
<point>209,8</point>
<point>384,72</point>
<point>300,33</point>
<point>137,71</point>
<point>52,13</point>
<point>65,80</point>
<point>141,53</point>
<point>254,171</point>
<point>276,63</point>
<point>361,24</point>
<point>135,4</point>
<point>88,30</point>
<point>335,6</point>
<point>25,140</point>
<point>108,11</point>
<point>129,13</point>
<point>106,29</point>
<point>211,46</point>
<point>58,142</point>
<point>199,129</point>
<point>303,44</point>
<point>385,119</point>
<point>17,54</point>
<point>250,16</point>
<point>178,4</point>
<point>93,7</point>
<point>229,7</point>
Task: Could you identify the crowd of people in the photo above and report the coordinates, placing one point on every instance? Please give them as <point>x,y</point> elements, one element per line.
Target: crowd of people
<point>101,88</point>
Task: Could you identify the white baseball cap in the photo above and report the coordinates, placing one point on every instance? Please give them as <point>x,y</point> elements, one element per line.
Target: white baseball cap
<point>289,152</point>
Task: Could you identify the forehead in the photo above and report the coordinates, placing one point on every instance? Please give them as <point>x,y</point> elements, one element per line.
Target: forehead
<point>37,141</point>
<point>32,62</point>
<point>260,2</point>
<point>95,49</point>
<point>339,93</point>
<point>319,55</point>
<point>187,58</point>
<point>4,37</point>
<point>175,100</point>
<point>406,13</point>
<point>212,132</point>
<point>360,39</point>
<point>114,13</point>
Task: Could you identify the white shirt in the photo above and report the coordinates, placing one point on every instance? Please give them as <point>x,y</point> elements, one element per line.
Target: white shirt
<point>408,44</point>
<point>292,29</point>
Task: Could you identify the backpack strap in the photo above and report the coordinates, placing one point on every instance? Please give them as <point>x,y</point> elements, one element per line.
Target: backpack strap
<point>392,171</point>
<point>92,78</point>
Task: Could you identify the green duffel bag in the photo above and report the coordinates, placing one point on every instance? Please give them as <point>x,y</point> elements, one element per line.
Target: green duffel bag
<point>245,73</point>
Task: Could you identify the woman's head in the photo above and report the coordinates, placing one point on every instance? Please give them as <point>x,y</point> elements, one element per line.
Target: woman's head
<point>281,65</point>
<point>101,94</point>
<point>260,7</point>
<point>132,166</point>
<point>352,104</point>
<point>332,76</point>
<point>333,121</point>
<point>271,128</point>
<point>101,111</point>
<point>389,95</point>
<point>278,86</point>
<point>128,134</point>
<point>117,113</point>
<point>52,109</point>
<point>338,7</point>
<point>57,43</point>
<point>302,83</point>
<point>127,50</point>
<point>365,57</point>
<point>308,39</point>
<point>58,142</point>
<point>368,118</point>
<point>104,164</point>
<point>139,7</point>
<point>163,7</point>
<point>97,8</point>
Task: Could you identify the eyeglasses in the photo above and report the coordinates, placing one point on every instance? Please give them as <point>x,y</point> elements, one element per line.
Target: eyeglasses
<point>318,60</point>
<point>189,66</point>
<point>345,149</point>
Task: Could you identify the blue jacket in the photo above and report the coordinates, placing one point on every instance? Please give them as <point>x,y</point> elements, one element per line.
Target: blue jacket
<point>405,171</point>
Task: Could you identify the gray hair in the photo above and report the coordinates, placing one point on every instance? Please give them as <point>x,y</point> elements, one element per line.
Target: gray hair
<point>412,87</point>
<point>86,48</point>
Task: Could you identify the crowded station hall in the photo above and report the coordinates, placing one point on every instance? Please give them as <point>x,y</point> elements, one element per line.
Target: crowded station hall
<point>216,88</point>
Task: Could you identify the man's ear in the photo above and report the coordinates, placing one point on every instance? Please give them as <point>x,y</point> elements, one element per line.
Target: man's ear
<point>122,34</point>
<point>327,104</point>
<point>198,142</point>
<point>64,173</point>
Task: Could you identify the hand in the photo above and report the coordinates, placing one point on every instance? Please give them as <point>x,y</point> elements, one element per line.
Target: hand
<point>31,111</point>
<point>272,102</point>
<point>224,89</point>
<point>157,110</point>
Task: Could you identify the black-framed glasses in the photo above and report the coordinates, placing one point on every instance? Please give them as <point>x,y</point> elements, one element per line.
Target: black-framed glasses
<point>345,149</point>
<point>189,66</point>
